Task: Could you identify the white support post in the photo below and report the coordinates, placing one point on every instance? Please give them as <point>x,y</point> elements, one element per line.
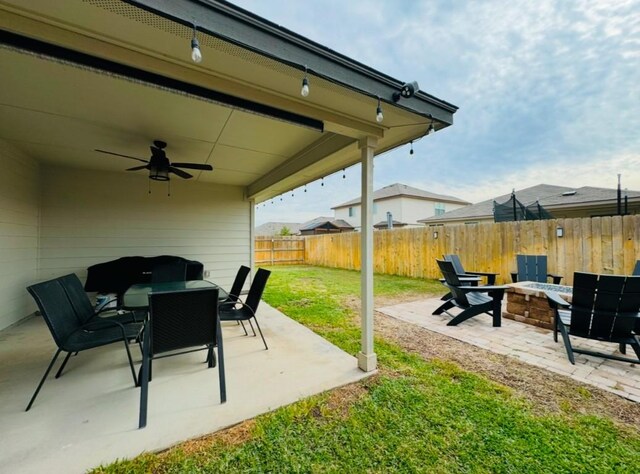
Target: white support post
<point>252,236</point>
<point>367,359</point>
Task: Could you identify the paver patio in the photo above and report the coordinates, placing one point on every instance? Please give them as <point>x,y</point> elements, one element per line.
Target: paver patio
<point>529,344</point>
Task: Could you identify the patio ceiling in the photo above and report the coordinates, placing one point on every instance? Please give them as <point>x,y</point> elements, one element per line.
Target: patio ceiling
<point>116,75</point>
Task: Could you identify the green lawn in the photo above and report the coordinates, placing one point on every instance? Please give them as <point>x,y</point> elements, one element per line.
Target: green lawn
<point>415,416</point>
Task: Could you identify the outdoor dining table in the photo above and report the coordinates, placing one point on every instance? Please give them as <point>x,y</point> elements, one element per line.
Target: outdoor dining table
<point>137,296</point>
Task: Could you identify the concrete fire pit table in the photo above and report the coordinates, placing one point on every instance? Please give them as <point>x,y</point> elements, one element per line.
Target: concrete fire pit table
<point>527,302</point>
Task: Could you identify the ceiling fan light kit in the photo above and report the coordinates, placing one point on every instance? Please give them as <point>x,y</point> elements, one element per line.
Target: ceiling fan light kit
<point>159,165</point>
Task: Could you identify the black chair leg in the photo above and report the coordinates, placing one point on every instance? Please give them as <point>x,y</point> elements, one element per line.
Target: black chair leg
<point>567,343</point>
<point>444,307</point>
<point>144,383</point>
<point>221,374</point>
<point>497,311</point>
<point>260,331</point>
<point>133,371</point>
<point>252,329</point>
<point>245,329</point>
<point>623,348</point>
<point>64,363</point>
<point>35,394</point>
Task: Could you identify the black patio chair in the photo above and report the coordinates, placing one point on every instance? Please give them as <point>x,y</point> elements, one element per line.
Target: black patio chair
<point>457,265</point>
<point>239,311</point>
<point>605,308</point>
<point>533,268</point>
<point>473,300</point>
<point>636,269</point>
<point>165,272</point>
<point>86,311</point>
<point>70,333</point>
<point>238,284</point>
<point>180,321</point>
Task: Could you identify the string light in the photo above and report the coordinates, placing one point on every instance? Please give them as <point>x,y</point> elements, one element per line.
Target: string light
<point>321,181</point>
<point>431,128</point>
<point>304,92</point>
<point>379,116</point>
<point>305,188</point>
<point>411,149</point>
<point>196,54</point>
<point>344,176</point>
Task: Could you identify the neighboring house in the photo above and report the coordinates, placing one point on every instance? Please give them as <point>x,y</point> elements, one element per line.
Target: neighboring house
<point>560,201</point>
<point>405,203</point>
<point>325,225</point>
<point>269,229</point>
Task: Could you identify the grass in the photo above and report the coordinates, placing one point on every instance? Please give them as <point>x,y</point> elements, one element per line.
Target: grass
<point>415,416</point>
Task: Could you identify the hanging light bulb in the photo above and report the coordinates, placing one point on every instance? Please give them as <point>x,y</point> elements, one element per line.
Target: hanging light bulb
<point>379,116</point>
<point>304,92</point>
<point>344,176</point>
<point>305,188</point>
<point>431,128</point>
<point>321,181</point>
<point>411,149</point>
<point>196,54</point>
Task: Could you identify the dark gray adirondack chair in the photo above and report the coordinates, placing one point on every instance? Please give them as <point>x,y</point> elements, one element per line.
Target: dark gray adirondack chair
<point>457,265</point>
<point>604,308</point>
<point>473,300</point>
<point>181,322</point>
<point>533,268</point>
<point>239,311</point>
<point>72,334</point>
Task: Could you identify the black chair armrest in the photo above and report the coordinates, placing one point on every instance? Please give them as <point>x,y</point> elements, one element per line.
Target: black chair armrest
<point>555,300</point>
<point>484,289</point>
<point>491,277</point>
<point>556,278</point>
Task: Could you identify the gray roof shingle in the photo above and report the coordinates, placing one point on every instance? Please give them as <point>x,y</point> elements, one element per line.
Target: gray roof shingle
<point>399,189</point>
<point>548,195</point>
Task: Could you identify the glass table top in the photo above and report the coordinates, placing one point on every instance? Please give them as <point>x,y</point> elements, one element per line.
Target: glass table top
<point>137,296</point>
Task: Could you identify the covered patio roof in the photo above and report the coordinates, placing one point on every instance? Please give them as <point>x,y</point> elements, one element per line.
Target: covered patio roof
<point>115,75</point>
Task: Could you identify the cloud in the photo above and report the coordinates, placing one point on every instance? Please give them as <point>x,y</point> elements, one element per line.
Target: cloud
<point>547,90</point>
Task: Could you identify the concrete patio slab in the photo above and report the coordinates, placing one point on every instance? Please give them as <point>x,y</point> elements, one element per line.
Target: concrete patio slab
<point>90,415</point>
<point>530,344</point>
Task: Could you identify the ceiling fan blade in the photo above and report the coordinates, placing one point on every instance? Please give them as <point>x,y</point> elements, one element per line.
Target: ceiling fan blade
<point>193,166</point>
<point>118,154</point>
<point>136,168</point>
<point>180,173</point>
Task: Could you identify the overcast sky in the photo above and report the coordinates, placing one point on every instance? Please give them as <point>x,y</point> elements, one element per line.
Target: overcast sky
<point>548,92</point>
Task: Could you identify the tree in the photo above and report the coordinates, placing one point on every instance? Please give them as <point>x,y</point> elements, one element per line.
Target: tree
<point>285,231</point>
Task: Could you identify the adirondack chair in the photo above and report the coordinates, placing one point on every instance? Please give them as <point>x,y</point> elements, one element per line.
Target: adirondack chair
<point>604,308</point>
<point>533,268</point>
<point>473,300</point>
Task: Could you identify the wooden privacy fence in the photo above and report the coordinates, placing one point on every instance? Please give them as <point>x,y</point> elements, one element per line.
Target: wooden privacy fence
<point>279,250</point>
<point>599,244</point>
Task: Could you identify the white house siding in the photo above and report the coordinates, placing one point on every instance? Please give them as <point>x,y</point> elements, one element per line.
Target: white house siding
<point>19,197</point>
<point>89,217</point>
<point>403,209</point>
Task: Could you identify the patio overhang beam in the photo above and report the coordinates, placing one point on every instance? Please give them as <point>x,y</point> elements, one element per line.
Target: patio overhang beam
<point>244,29</point>
<point>314,153</point>
<point>105,65</point>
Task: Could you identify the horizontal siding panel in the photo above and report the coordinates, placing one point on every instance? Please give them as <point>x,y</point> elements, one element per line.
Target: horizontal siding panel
<point>124,233</point>
<point>19,214</point>
<point>199,221</point>
<point>123,242</point>
<point>18,230</point>
<point>117,252</point>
